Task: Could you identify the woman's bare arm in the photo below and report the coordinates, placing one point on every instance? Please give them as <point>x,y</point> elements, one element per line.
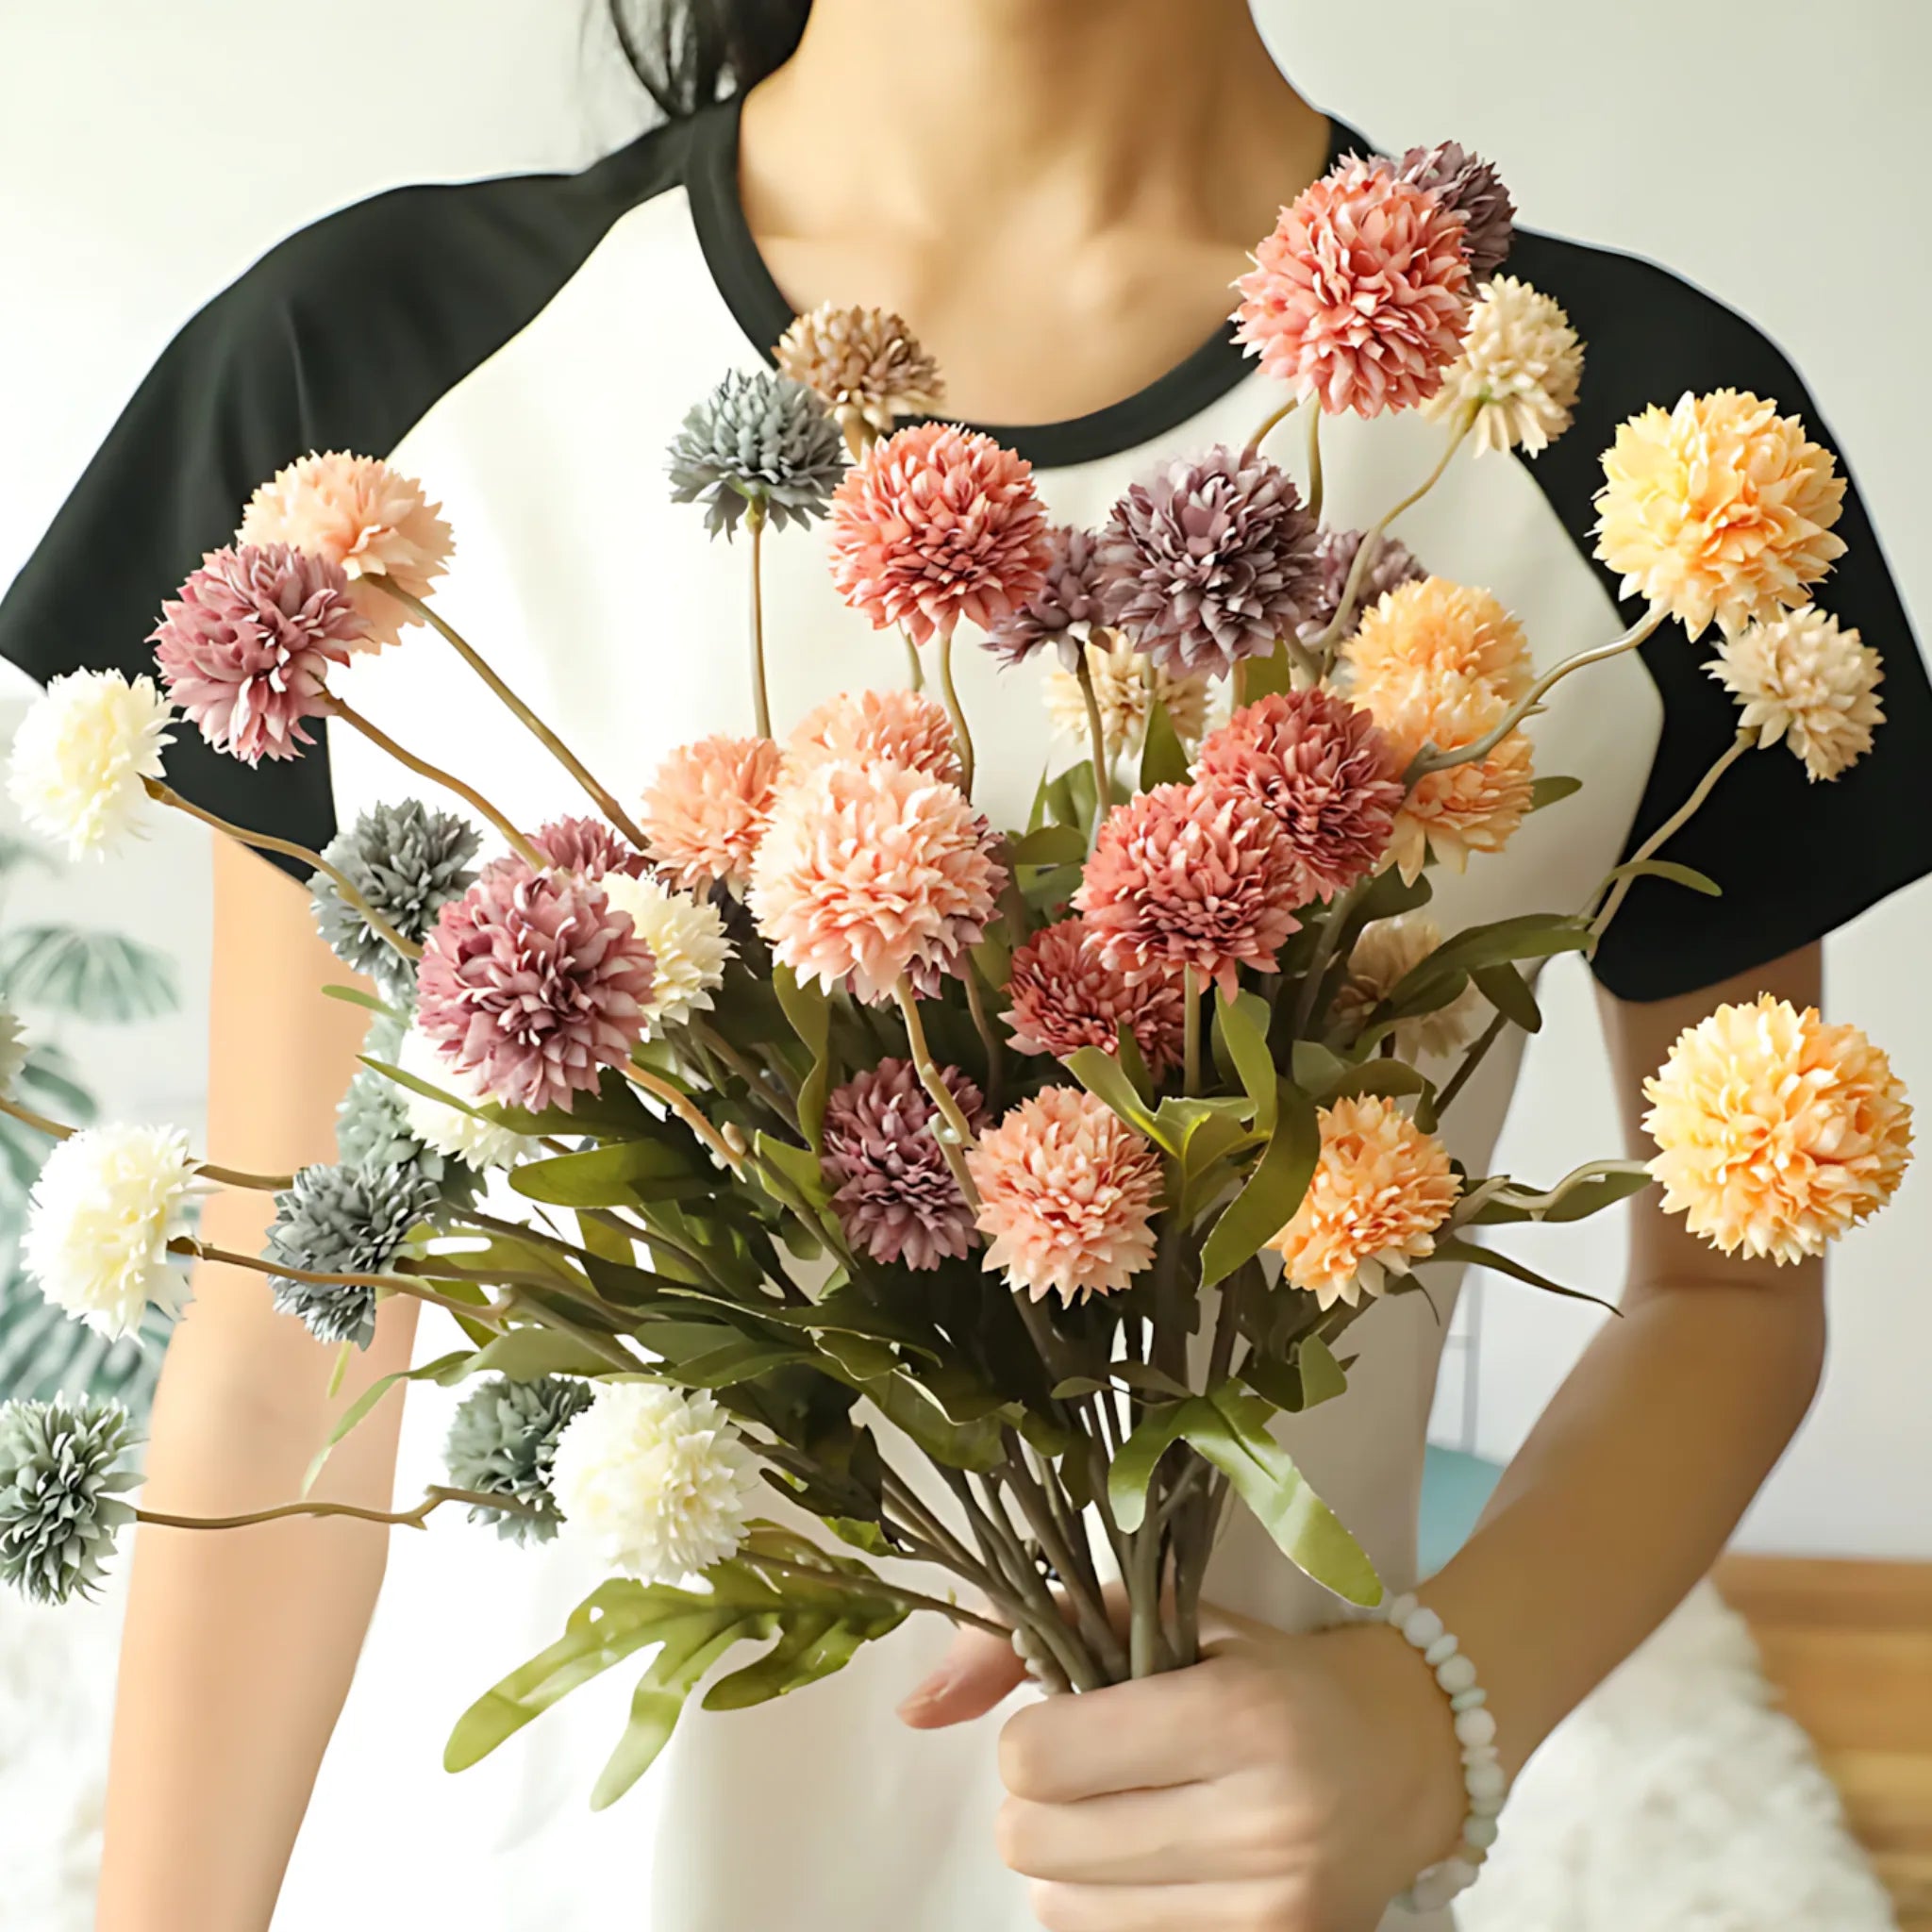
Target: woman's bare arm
<point>239,1647</point>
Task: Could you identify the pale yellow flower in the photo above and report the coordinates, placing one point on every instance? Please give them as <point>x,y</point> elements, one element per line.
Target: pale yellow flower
<point>1521,366</point>
<point>1124,683</point>
<point>1387,952</point>
<point>1802,679</point>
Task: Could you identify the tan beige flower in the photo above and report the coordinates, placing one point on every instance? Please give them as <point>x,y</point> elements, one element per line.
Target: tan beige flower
<point>1475,807</point>
<point>1521,367</point>
<point>864,364</point>
<point>1387,952</point>
<point>1776,1132</point>
<point>1802,679</point>
<point>1440,628</point>
<point>1721,509</point>
<point>1380,1188</point>
<point>1124,686</point>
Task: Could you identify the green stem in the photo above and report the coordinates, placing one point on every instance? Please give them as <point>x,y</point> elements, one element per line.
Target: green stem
<point>760,700</point>
<point>1471,1061</point>
<point>1315,464</point>
<point>1191,1030</point>
<point>1271,421</point>
<point>871,1586</point>
<point>1096,734</point>
<point>598,794</point>
<point>954,712</point>
<point>417,1518</point>
<point>1339,910</point>
<point>915,664</point>
<point>955,1134</point>
<point>989,1036</point>
<point>1088,1607</point>
<point>753,1075</point>
<point>222,1176</point>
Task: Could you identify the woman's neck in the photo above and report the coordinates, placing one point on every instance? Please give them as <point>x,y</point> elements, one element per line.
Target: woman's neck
<point>1010,174</point>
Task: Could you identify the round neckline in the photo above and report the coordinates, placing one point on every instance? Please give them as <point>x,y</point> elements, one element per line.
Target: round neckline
<point>761,310</point>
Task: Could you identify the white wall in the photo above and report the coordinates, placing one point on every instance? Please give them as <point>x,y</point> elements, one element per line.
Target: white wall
<point>1768,150</point>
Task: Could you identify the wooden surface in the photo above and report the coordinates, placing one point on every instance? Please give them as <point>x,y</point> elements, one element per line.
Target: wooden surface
<point>1850,1647</point>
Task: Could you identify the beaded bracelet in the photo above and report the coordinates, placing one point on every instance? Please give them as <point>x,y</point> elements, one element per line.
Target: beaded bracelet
<point>1476,1731</point>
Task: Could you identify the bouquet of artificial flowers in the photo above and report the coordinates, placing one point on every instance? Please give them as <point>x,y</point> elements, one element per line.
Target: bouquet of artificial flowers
<point>982,1192</point>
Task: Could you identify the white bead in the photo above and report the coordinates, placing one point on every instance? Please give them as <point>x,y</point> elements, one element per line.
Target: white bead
<point>1484,1781</point>
<point>1469,1700</point>
<point>1459,1674</point>
<point>1431,1892</point>
<point>1479,1754</point>
<point>1480,1832</point>
<point>1423,1627</point>
<point>1459,1872</point>
<point>1477,1727</point>
<point>1441,1651</point>
<point>1486,1808</point>
<point>1400,1609</point>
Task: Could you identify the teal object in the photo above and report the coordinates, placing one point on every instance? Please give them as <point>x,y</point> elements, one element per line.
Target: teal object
<point>1456,1487</point>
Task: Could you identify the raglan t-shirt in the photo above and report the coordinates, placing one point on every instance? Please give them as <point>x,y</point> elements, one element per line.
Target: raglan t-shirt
<point>527,347</point>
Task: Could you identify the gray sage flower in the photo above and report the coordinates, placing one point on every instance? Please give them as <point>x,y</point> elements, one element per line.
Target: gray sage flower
<point>62,1494</point>
<point>342,1221</point>
<point>760,439</point>
<point>502,1442</point>
<point>408,862</point>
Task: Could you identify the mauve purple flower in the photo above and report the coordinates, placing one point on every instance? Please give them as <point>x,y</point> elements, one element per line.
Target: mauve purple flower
<point>1335,553</point>
<point>1063,611</point>
<point>893,1194</point>
<point>1470,185</point>
<point>532,982</point>
<point>589,847</point>
<point>246,648</point>
<point>1208,561</point>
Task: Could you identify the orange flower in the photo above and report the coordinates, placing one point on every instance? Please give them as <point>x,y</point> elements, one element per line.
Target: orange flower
<point>705,809</point>
<point>1719,509</point>
<point>1776,1132</point>
<point>1442,629</point>
<point>1380,1188</point>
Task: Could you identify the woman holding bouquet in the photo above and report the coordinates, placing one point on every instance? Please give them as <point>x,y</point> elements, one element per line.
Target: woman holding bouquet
<point>1058,194</point>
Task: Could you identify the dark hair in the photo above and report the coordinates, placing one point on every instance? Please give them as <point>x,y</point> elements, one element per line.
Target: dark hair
<point>686,52</point>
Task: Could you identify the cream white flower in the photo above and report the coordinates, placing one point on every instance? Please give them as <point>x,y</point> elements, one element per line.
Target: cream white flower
<point>1386,951</point>
<point>448,1130</point>
<point>1522,364</point>
<point>109,1201</point>
<point>13,1048</point>
<point>687,940</point>
<point>656,1481</point>
<point>1124,682</point>
<point>1802,679</point>
<point>81,755</point>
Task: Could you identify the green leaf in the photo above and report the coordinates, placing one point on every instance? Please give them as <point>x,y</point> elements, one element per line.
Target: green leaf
<point>1273,1190</point>
<point>1070,798</point>
<point>1667,869</point>
<point>1105,1078</point>
<point>1315,1069</point>
<point>607,1176</point>
<point>427,1088</point>
<point>1551,790</point>
<point>355,996</point>
<point>444,1369</point>
<point>1580,1200</point>
<point>1132,1467</point>
<point>1230,1428</point>
<point>1241,1024</point>
<point>1051,845</point>
<point>527,1354</point>
<point>1507,989</point>
<point>1321,1376</point>
<point>1163,758</point>
<point>810,1014</point>
<point>661,1697</point>
<point>1133,1063</point>
<point>1392,1078</point>
<point>974,1445</point>
<point>1270,675</point>
<point>1450,1249</point>
<point>1529,936</point>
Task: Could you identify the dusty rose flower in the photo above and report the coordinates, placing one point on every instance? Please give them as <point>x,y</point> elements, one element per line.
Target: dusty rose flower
<point>864,364</point>
<point>1067,1192</point>
<point>1719,509</point>
<point>1470,186</point>
<point>534,985</point>
<point>1126,685</point>
<point>246,648</point>
<point>1387,952</point>
<point>1192,875</point>
<point>589,847</point>
<point>1065,609</point>
<point>894,1195</point>
<point>705,812</point>
<point>1208,561</point>
<point>1064,994</point>
<point>358,512</point>
<point>1380,1188</point>
<point>1469,808</point>
<point>1322,769</point>
<point>1362,294</point>
<point>1438,629</point>
<point>906,727</point>
<point>1335,553</point>
<point>867,872</point>
<point>1520,369</point>
<point>963,930</point>
<point>1802,679</point>
<point>1776,1132</point>
<point>937,523</point>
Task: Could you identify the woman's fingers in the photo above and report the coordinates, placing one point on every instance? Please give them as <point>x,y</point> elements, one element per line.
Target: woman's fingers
<point>973,1675</point>
<point>1182,1835</point>
<point>1211,1907</point>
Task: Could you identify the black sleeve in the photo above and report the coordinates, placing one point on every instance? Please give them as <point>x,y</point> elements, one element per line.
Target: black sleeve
<point>1794,859</point>
<point>340,338</point>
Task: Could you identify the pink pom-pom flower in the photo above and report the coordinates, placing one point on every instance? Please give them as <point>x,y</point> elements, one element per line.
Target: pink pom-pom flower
<point>1063,993</point>
<point>906,727</point>
<point>937,523</point>
<point>246,648</point>
<point>1192,876</point>
<point>1361,295</point>
<point>705,809</point>
<point>588,847</point>
<point>533,983</point>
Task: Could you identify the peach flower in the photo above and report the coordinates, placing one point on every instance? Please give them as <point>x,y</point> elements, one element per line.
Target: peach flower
<point>1521,369</point>
<point>1719,509</point>
<point>906,727</point>
<point>1438,628</point>
<point>358,512</point>
<point>1802,679</point>
<point>705,812</point>
<point>1380,1188</point>
<point>1067,1195</point>
<point>1776,1132</point>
